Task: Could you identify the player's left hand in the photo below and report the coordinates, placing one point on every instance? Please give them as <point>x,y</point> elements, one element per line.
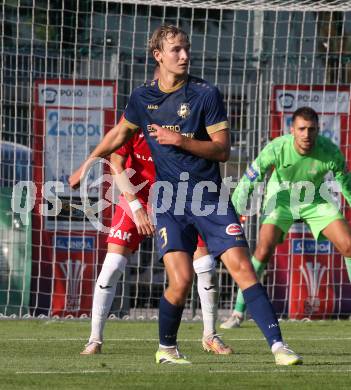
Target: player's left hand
<point>165,137</point>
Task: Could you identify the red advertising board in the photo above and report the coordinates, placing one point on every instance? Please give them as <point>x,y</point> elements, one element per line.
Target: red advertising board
<point>74,274</point>
<point>308,268</point>
<point>70,118</point>
<point>311,270</point>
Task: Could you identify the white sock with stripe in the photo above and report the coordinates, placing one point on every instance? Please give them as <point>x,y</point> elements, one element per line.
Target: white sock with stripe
<point>207,287</point>
<point>105,290</point>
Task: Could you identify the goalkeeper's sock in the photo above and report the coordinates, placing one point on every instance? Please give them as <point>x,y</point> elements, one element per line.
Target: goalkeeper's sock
<point>169,320</point>
<point>207,287</point>
<point>262,312</point>
<point>105,289</point>
<point>348,267</point>
<point>259,267</point>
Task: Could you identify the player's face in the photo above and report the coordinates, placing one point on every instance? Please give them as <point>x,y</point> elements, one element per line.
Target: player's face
<point>305,133</point>
<point>174,56</point>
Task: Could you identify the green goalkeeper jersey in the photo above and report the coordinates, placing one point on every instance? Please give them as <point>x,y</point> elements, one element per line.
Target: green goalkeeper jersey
<point>290,167</point>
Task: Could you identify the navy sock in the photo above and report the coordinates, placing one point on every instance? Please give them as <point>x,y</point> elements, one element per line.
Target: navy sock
<point>169,321</point>
<point>262,312</point>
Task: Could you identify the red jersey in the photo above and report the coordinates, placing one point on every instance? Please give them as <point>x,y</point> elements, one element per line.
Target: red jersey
<point>138,155</point>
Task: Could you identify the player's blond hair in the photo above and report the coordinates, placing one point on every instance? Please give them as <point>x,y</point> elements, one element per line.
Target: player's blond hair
<point>163,32</point>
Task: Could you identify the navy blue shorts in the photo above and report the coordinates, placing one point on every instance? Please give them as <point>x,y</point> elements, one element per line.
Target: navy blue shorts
<point>179,232</point>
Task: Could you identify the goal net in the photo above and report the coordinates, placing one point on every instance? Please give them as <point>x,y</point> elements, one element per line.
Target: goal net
<point>66,72</point>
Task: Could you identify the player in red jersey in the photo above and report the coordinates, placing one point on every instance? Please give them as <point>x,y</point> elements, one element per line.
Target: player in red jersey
<point>130,225</point>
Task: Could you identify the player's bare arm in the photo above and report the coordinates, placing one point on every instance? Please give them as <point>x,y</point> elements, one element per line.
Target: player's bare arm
<point>113,140</point>
<point>141,218</point>
<point>218,149</point>
<point>118,166</point>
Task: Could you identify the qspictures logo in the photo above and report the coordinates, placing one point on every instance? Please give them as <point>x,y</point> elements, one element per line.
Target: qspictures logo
<point>168,194</point>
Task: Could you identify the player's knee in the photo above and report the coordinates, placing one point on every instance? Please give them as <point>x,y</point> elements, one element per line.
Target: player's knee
<point>181,289</point>
<point>246,267</point>
<point>113,266</point>
<point>245,274</point>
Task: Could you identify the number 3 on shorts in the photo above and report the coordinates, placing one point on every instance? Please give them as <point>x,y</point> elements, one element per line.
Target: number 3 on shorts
<point>163,234</point>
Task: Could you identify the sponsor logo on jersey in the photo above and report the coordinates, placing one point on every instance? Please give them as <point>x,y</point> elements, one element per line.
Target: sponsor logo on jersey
<point>152,107</point>
<point>234,229</point>
<point>124,236</point>
<point>150,129</point>
<point>142,157</point>
<point>251,173</point>
<point>184,110</point>
<point>175,128</point>
<point>188,135</point>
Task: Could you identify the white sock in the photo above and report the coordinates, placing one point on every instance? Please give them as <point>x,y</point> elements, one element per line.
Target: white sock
<point>105,290</point>
<point>276,346</point>
<point>207,287</point>
<point>167,346</point>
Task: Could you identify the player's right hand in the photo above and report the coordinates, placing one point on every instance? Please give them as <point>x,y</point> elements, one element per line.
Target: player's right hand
<point>143,223</point>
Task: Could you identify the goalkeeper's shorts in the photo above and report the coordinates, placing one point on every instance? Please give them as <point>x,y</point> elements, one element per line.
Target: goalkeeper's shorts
<point>316,215</point>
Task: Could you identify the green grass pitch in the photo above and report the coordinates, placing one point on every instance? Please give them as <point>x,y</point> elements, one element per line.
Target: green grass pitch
<point>39,354</point>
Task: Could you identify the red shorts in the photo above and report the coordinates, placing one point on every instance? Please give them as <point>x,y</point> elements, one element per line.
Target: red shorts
<point>123,230</point>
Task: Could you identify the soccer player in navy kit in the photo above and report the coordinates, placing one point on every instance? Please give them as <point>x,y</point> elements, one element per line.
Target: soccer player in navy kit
<point>124,238</point>
<point>185,125</point>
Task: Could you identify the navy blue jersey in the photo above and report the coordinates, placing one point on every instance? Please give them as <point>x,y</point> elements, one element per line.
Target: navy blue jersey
<point>195,109</point>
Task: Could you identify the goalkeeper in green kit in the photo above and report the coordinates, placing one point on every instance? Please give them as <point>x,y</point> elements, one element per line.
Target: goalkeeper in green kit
<point>296,191</point>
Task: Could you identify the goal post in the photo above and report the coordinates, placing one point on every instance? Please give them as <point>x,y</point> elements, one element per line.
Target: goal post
<point>66,72</point>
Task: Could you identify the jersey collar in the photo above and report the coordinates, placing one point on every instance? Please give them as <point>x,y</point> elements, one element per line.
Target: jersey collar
<point>173,89</point>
